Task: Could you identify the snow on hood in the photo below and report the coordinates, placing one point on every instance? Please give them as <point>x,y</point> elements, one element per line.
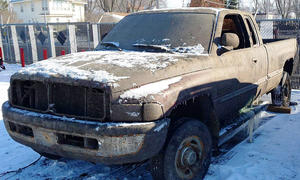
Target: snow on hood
<point>89,65</point>
<point>48,69</point>
<point>152,88</point>
<point>129,59</point>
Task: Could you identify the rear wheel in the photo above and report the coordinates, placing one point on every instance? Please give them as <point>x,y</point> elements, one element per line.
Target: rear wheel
<point>281,95</point>
<point>186,155</point>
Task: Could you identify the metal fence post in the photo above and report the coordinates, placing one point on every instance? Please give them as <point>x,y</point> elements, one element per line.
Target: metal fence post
<point>88,36</point>
<point>1,45</point>
<point>15,43</point>
<point>52,43</point>
<point>95,35</point>
<point>26,43</point>
<point>72,38</point>
<point>33,44</point>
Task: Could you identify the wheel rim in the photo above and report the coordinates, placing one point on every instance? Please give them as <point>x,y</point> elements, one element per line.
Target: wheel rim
<point>189,155</point>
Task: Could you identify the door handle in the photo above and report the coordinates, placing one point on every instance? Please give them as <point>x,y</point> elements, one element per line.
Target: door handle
<point>254,60</point>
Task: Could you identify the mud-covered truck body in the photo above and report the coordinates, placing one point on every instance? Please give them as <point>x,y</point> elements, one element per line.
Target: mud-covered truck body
<point>160,86</point>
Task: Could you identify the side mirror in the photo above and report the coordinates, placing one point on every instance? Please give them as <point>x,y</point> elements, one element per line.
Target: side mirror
<point>230,41</point>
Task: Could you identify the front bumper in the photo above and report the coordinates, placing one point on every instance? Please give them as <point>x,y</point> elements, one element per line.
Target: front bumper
<point>108,143</point>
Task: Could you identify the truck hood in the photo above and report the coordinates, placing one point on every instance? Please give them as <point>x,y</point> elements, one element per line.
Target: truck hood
<point>119,69</point>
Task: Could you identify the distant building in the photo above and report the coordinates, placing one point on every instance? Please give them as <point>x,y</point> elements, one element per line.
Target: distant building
<point>207,3</point>
<point>50,11</point>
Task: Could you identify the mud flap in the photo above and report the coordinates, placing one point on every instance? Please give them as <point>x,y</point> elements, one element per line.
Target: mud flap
<point>279,109</point>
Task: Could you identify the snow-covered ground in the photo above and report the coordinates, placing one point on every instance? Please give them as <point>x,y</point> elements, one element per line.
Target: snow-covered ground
<point>275,153</point>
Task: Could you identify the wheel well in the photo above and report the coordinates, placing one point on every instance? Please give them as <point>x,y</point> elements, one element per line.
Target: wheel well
<point>200,108</point>
<point>288,66</point>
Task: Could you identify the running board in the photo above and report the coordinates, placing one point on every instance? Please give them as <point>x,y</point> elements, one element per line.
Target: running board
<point>242,123</point>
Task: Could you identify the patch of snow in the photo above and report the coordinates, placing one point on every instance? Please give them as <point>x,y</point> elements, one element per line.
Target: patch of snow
<point>113,125</point>
<point>190,50</point>
<point>159,128</point>
<point>50,68</point>
<point>274,154</point>
<point>4,81</point>
<point>196,50</point>
<point>152,88</point>
<point>13,155</point>
<point>128,59</point>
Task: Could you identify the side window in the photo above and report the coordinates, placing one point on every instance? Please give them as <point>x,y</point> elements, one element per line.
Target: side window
<point>234,24</point>
<point>252,31</point>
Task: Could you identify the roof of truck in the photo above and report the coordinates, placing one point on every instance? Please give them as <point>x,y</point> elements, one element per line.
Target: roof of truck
<point>190,9</point>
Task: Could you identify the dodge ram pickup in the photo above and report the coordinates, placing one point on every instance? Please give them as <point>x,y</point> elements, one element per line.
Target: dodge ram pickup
<point>159,87</point>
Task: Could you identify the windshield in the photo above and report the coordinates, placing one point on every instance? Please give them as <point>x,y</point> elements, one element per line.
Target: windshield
<point>186,32</point>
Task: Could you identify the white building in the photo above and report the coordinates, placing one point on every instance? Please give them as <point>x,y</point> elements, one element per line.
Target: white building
<point>50,11</point>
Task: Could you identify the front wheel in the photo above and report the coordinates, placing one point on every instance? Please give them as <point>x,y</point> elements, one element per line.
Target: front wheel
<point>281,95</point>
<point>186,155</point>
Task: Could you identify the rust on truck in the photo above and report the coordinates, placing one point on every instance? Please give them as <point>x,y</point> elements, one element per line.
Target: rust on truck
<point>156,73</point>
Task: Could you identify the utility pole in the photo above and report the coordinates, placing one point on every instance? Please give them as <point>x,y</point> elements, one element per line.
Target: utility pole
<point>157,4</point>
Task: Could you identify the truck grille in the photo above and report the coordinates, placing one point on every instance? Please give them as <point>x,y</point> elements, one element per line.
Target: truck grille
<point>59,99</point>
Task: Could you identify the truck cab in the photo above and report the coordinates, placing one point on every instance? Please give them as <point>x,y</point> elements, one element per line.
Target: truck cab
<point>159,87</point>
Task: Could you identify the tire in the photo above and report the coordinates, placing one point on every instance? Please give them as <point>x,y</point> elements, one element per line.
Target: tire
<point>281,95</point>
<point>186,154</point>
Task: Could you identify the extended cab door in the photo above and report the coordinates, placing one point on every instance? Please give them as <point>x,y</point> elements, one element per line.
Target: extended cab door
<point>259,56</point>
<point>239,66</point>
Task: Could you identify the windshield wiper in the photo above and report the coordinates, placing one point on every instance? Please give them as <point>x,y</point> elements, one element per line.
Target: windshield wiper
<point>155,47</point>
<point>112,44</point>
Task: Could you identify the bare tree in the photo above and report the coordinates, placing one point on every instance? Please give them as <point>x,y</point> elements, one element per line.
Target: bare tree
<point>6,14</point>
<point>3,5</point>
<point>267,6</point>
<point>130,6</point>
<point>296,5</point>
<point>92,11</point>
<point>106,5</point>
<point>256,6</point>
<point>95,8</point>
<point>284,7</point>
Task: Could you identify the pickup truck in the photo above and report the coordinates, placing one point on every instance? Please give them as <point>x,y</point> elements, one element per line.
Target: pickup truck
<point>159,87</point>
